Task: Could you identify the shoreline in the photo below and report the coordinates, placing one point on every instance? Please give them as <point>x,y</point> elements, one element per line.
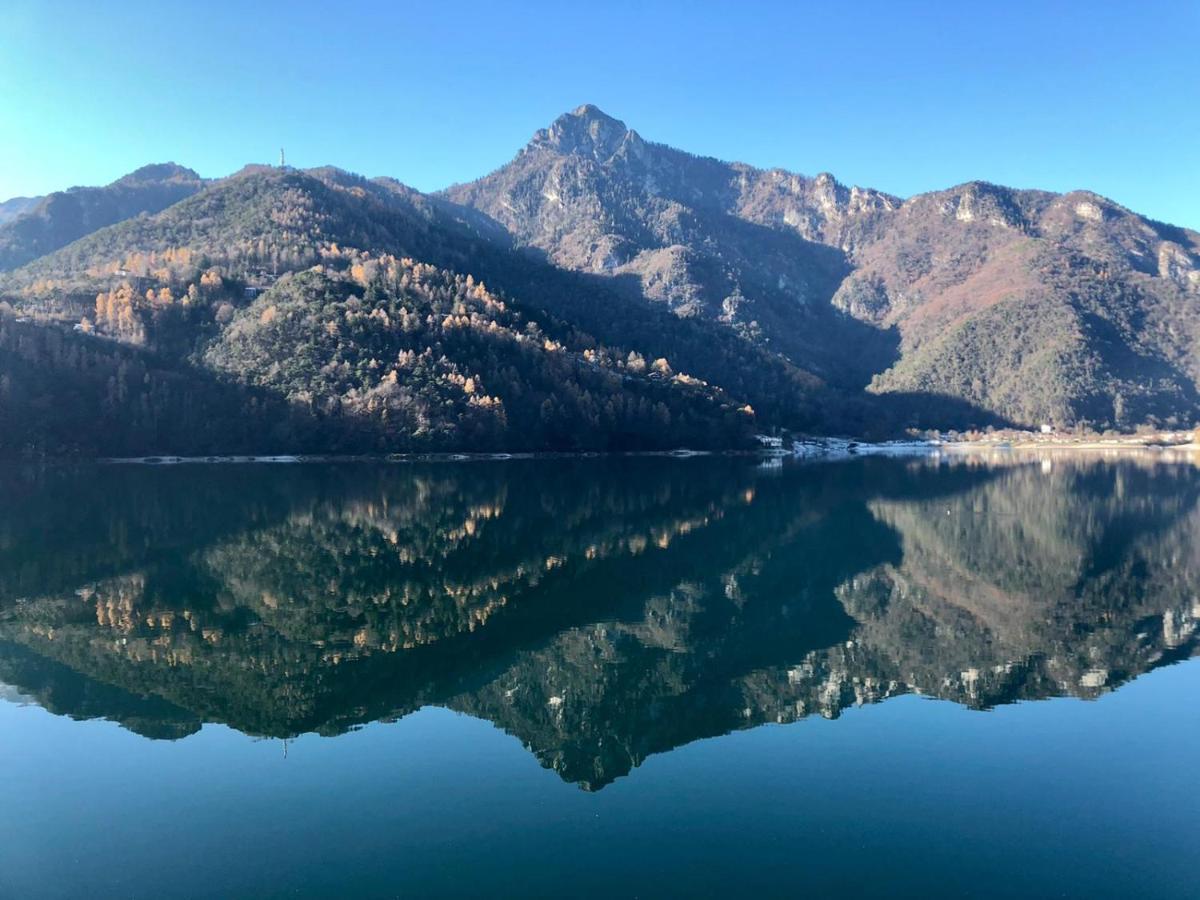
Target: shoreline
<point>815,449</point>
<point>801,449</point>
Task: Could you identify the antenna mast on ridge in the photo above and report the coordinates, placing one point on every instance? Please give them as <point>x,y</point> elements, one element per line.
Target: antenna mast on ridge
<point>282,164</point>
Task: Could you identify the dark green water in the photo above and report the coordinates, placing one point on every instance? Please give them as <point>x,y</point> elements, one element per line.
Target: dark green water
<point>639,677</point>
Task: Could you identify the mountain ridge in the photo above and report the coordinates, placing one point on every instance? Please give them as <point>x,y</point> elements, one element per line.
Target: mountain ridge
<point>47,223</point>
<point>905,264</point>
<point>807,304</point>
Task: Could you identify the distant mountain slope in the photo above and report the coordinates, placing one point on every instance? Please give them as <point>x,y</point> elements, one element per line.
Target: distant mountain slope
<point>50,222</point>
<point>14,207</point>
<point>1033,306</point>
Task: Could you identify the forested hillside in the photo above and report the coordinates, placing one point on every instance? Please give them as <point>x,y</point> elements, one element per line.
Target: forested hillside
<point>281,292</point>
<point>403,355</point>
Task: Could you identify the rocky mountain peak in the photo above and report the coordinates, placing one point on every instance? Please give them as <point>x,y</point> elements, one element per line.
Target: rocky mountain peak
<point>585,131</point>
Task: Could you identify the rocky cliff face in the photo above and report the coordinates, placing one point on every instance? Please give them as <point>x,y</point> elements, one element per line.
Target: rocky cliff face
<point>594,196</point>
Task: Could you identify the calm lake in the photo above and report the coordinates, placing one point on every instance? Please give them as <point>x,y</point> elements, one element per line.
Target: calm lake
<point>601,677</point>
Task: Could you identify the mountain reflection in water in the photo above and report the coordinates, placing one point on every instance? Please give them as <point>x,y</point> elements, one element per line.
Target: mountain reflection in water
<point>599,610</point>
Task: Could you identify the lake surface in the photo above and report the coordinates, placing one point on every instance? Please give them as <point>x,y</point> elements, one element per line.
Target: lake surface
<point>618,677</point>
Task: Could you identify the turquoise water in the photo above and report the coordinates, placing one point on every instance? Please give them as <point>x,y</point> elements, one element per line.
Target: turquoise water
<point>638,677</point>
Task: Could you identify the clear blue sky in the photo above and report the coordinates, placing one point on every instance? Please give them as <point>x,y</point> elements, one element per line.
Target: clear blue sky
<point>901,96</point>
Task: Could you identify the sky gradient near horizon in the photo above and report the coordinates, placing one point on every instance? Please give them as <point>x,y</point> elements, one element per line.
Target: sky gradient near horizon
<point>901,96</point>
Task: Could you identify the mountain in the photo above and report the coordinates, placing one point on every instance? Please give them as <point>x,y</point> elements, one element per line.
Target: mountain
<point>41,225</point>
<point>1031,305</point>
<point>14,207</point>
<point>595,197</point>
<point>354,316</point>
<point>1041,307</point>
<point>598,292</point>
